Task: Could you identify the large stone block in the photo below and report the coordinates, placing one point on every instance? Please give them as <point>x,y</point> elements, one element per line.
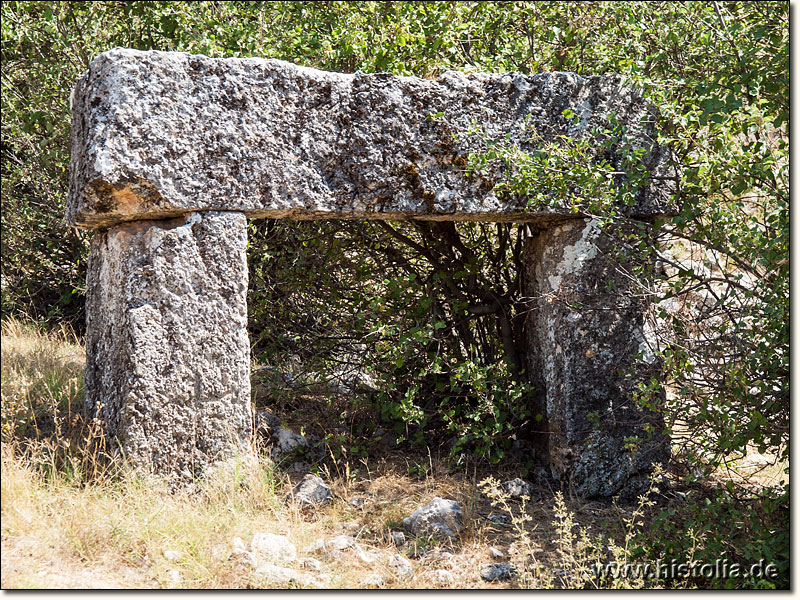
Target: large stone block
<point>589,349</point>
<point>168,357</point>
<point>159,134</point>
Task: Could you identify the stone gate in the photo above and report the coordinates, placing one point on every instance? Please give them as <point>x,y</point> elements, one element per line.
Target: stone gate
<point>172,152</point>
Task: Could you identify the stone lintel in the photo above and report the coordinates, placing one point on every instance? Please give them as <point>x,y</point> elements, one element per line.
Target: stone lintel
<point>159,134</point>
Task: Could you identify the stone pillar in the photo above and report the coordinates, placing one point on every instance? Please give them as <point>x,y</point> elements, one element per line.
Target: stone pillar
<point>167,351</point>
<point>590,349</point>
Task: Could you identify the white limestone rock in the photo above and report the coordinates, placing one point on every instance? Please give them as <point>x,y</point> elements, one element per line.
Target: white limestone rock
<point>274,574</point>
<point>273,547</point>
<point>401,565</point>
<point>438,518</point>
<point>498,572</point>
<point>311,492</point>
<point>443,578</point>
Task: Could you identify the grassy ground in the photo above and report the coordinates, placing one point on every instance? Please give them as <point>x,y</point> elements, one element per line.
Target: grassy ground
<point>71,519</point>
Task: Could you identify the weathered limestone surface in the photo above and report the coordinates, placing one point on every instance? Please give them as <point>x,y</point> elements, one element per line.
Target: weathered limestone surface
<point>168,358</point>
<point>159,134</point>
<point>171,152</point>
<point>589,348</point>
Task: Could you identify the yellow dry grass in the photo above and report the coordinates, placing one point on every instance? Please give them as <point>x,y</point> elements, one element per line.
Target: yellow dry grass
<point>73,518</point>
<point>71,521</point>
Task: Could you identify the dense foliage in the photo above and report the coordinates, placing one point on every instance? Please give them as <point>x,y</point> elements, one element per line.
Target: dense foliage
<point>436,309</point>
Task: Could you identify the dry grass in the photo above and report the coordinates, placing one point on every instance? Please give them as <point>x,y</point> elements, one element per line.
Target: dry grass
<point>73,519</point>
<point>41,372</point>
<point>68,520</point>
<point>115,533</point>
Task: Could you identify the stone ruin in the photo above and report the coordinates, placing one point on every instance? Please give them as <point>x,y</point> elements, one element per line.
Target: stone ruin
<point>172,152</point>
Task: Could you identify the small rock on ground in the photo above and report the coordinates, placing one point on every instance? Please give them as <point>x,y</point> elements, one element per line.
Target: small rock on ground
<point>516,488</point>
<point>274,547</point>
<point>366,556</point>
<point>401,564</point>
<point>237,543</point>
<point>340,542</point>
<point>501,520</point>
<point>373,580</point>
<point>331,546</point>
<point>312,491</point>
<point>312,563</point>
<point>244,557</point>
<point>279,574</point>
<point>287,441</point>
<point>498,572</point>
<point>398,538</point>
<point>439,517</point>
<point>317,545</point>
<point>443,577</point>
<point>172,555</point>
<point>174,576</point>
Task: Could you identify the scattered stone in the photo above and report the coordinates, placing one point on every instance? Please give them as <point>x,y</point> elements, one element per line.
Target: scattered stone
<point>435,555</point>
<point>498,572</point>
<point>316,546</point>
<point>237,543</point>
<point>279,574</point>
<point>516,488</point>
<point>271,546</point>
<point>501,520</point>
<point>398,538</point>
<point>364,556</point>
<point>173,555</point>
<point>440,517</point>
<point>286,441</point>
<point>495,552</point>
<point>266,422</point>
<point>443,577</point>
<point>240,553</point>
<point>443,555</point>
<point>401,564</point>
<point>332,546</point>
<point>312,563</point>
<point>350,527</point>
<point>174,576</point>
<point>244,558</point>
<point>373,580</point>
<point>340,542</point>
<point>356,502</point>
<point>312,492</point>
